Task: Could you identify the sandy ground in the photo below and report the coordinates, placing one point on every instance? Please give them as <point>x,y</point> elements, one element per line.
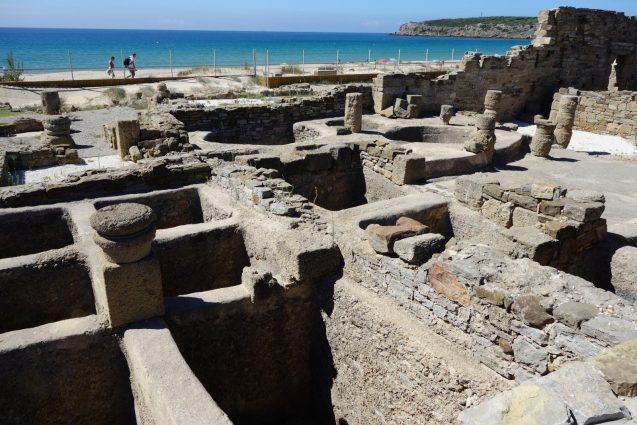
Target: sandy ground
<point>208,70</point>
<point>58,173</point>
<point>592,143</point>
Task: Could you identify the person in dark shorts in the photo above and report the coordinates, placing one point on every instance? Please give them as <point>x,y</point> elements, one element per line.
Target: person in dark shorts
<point>111,67</point>
<point>129,63</point>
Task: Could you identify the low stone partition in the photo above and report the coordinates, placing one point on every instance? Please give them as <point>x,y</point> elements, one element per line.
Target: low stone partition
<point>157,174</point>
<point>577,393</point>
<point>606,112</point>
<point>547,223</point>
<point>266,124</point>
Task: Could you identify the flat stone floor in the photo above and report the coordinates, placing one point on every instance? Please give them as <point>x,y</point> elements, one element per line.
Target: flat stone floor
<point>616,178</point>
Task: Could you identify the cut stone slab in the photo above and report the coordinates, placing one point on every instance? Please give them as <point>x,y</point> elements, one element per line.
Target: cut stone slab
<point>586,195</point>
<point>610,329</point>
<point>529,354</point>
<point>583,211</point>
<point>382,238</point>
<point>525,404</point>
<point>498,212</point>
<point>529,310</point>
<point>419,249</point>
<point>618,364</point>
<point>573,313</point>
<point>583,389</point>
<point>624,272</point>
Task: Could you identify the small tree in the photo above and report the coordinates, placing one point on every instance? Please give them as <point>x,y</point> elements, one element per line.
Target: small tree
<point>13,71</point>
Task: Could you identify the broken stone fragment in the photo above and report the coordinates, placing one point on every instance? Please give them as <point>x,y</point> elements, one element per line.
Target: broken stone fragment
<point>258,283</point>
<point>531,355</point>
<point>624,272</point>
<point>582,387</point>
<point>611,330</point>
<point>419,249</point>
<point>493,295</point>
<point>382,238</point>
<point>583,211</point>
<point>525,404</point>
<point>618,364</point>
<point>529,310</point>
<point>573,313</point>
<point>445,283</point>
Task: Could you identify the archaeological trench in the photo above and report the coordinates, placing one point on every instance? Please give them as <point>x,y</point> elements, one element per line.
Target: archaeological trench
<point>376,254</point>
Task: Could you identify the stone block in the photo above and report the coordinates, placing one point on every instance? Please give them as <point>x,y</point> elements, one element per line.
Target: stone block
<point>529,310</point>
<point>495,191</point>
<point>583,211</point>
<point>445,283</point>
<point>524,218</point>
<point>469,189</point>
<point>618,364</point>
<point>419,249</point>
<point>50,102</point>
<point>624,272</point>
<point>499,212</point>
<point>524,201</point>
<point>583,389</point>
<point>551,208</point>
<point>408,169</point>
<point>527,353</point>
<point>586,196</point>
<point>573,313</point>
<point>382,238</point>
<point>491,294</point>
<point>133,291</point>
<point>611,330</point>
<point>354,112</point>
<point>127,133</point>
<point>525,404</point>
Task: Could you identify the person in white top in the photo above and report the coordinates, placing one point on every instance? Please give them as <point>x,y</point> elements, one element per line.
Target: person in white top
<point>129,63</point>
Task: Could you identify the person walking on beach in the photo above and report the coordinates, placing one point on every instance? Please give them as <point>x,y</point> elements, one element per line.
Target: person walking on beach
<point>129,63</point>
<point>111,67</point>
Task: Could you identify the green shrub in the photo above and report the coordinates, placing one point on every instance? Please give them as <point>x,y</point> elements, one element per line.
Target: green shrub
<point>291,69</point>
<point>13,71</point>
<point>116,93</point>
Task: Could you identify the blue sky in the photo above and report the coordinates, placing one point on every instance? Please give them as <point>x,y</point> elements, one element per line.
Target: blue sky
<point>269,15</point>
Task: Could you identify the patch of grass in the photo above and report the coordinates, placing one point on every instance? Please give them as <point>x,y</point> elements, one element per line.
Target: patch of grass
<point>116,93</point>
<point>148,91</point>
<point>195,70</point>
<point>291,69</point>
<point>6,114</point>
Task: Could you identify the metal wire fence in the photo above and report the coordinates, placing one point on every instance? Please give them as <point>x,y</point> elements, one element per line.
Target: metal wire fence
<point>264,63</point>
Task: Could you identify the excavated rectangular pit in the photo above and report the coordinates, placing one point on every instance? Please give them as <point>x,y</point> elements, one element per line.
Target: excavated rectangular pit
<point>66,372</point>
<point>44,288</point>
<point>339,190</point>
<point>39,230</point>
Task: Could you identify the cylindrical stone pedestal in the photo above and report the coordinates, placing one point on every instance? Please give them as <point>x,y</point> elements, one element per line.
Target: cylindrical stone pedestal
<point>50,102</point>
<point>132,276</point>
<point>354,112</point>
<point>483,139</point>
<point>57,131</point>
<point>124,231</point>
<point>565,120</point>
<point>446,112</point>
<point>492,104</point>
<point>543,138</point>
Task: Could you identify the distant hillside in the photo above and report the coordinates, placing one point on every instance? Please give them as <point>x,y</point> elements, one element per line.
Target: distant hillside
<point>484,27</point>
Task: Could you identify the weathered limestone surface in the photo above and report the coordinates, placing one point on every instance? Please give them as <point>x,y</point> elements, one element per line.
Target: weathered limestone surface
<point>624,272</point>
<point>50,102</point>
<point>543,138</point>
<point>354,112</point>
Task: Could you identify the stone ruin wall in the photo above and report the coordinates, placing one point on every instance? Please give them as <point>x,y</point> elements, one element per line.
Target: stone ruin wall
<point>268,124</point>
<point>606,112</point>
<point>571,48</point>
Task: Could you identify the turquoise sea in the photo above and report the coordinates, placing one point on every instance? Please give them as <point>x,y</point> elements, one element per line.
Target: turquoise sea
<point>48,49</point>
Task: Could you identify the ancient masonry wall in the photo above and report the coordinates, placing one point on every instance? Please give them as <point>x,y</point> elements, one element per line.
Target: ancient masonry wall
<point>571,48</point>
<point>269,124</point>
<point>608,113</point>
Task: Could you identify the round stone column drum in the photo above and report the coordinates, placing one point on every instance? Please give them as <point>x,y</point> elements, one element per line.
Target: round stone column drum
<point>125,231</point>
<point>492,103</point>
<point>543,138</point>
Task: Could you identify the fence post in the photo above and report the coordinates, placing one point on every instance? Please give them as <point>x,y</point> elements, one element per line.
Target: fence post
<point>398,62</point>
<point>71,66</point>
<point>121,56</point>
<point>369,56</point>
<point>427,58</point>
<point>254,61</point>
<point>170,59</point>
<point>303,59</point>
<point>267,68</point>
<point>214,62</point>
<point>453,52</point>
